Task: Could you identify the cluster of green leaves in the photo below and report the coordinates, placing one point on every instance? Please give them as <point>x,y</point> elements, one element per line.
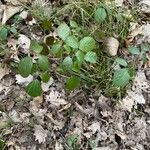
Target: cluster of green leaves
<point>6,29</point>
<point>72,50</point>
<point>123,75</point>
<point>39,68</point>
<point>79,51</point>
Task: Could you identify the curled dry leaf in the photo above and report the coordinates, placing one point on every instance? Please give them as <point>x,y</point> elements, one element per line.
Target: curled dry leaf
<point>111,45</point>
<point>40,133</point>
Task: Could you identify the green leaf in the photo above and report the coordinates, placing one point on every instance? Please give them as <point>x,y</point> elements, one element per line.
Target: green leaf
<point>67,63</point>
<point>13,29</point>
<point>25,66</point>
<point>43,63</point>
<point>121,62</point>
<point>36,47</point>
<point>45,77</point>
<point>134,50</point>
<point>100,15</point>
<point>91,57</point>
<point>145,47</point>
<point>76,66</point>
<point>2,144</point>
<point>80,57</point>
<point>87,44</point>
<point>73,24</point>
<point>63,31</point>
<point>119,18</point>
<point>121,77</point>
<point>72,41</point>
<point>56,48</point>
<point>67,48</point>
<point>3,33</point>
<point>34,88</point>
<point>72,83</point>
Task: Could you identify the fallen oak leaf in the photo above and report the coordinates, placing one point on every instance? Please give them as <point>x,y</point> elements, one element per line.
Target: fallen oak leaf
<point>3,72</point>
<point>9,11</point>
<point>40,134</point>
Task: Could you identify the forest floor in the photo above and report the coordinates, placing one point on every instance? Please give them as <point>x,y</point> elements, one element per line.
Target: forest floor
<point>83,119</point>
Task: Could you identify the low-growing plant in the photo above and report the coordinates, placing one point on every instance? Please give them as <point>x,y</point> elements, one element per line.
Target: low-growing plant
<point>72,142</point>
<point>79,48</point>
<point>81,60</point>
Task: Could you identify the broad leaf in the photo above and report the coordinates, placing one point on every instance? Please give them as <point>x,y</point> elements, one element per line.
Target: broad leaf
<point>36,47</point>
<point>67,63</point>
<point>76,66</point>
<point>45,77</point>
<point>63,31</point>
<point>134,50</point>
<point>72,41</point>
<point>72,83</point>
<point>67,48</point>
<point>56,48</point>
<point>121,77</point>
<point>100,15</point>
<point>34,88</point>
<point>73,24</point>
<point>43,63</point>
<point>3,33</point>
<point>25,66</point>
<point>121,61</point>
<point>91,57</point>
<point>87,44</point>
<point>80,56</point>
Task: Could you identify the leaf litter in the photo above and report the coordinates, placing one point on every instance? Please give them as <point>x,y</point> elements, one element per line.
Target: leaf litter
<point>47,121</point>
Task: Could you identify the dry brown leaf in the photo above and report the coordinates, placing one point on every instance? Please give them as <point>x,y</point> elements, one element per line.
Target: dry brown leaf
<point>40,133</point>
<point>23,81</point>
<point>3,72</point>
<point>55,99</point>
<point>24,43</point>
<point>9,11</point>
<point>94,127</point>
<point>58,146</point>
<point>45,86</point>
